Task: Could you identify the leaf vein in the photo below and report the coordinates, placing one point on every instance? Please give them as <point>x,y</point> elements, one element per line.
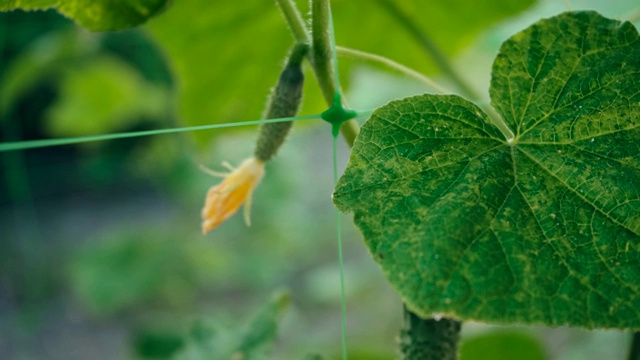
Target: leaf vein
<point>574,191</point>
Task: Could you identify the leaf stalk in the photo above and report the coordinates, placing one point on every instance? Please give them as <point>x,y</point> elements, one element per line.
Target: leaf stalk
<point>294,21</point>
<point>362,55</point>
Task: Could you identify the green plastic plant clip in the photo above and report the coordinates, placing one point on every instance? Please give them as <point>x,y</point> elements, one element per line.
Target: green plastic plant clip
<point>337,114</point>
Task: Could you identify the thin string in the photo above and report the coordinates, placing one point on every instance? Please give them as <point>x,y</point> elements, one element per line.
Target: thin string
<point>343,303</point>
<point>32,144</point>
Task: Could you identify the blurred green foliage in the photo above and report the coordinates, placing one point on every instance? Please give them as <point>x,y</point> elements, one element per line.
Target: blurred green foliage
<point>158,344</point>
<point>98,15</point>
<point>102,96</point>
<point>503,345</point>
<point>249,341</point>
<point>130,270</point>
<point>101,88</point>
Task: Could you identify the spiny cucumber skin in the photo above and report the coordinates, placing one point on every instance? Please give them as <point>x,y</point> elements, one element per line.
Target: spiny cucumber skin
<point>284,101</point>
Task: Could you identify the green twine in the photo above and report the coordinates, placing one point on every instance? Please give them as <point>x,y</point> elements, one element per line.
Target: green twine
<point>32,144</point>
<point>343,302</point>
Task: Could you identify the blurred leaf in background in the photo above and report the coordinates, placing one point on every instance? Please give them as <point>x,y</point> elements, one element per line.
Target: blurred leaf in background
<point>103,96</point>
<point>142,267</point>
<point>100,90</point>
<point>97,15</point>
<point>41,60</point>
<point>158,343</point>
<point>249,341</point>
<point>502,345</point>
<point>402,30</point>
<point>69,82</point>
<point>53,199</point>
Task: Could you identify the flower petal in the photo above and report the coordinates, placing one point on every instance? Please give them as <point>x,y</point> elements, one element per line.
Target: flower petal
<point>224,200</point>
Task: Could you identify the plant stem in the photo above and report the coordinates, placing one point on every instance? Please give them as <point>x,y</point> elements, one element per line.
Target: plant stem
<point>321,51</point>
<point>429,46</point>
<point>634,353</point>
<point>294,20</point>
<point>499,122</point>
<point>357,54</point>
<point>429,339</point>
<point>321,48</point>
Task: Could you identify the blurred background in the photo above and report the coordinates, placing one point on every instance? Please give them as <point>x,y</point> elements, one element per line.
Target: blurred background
<point>101,255</point>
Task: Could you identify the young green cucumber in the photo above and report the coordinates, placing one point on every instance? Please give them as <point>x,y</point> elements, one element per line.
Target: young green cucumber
<point>284,101</point>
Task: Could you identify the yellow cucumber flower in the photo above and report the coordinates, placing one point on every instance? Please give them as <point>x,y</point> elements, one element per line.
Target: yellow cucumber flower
<point>224,199</point>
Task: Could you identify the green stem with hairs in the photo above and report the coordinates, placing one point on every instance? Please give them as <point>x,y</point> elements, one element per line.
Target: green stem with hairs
<point>322,60</point>
<point>294,21</point>
<point>361,55</point>
<point>320,57</point>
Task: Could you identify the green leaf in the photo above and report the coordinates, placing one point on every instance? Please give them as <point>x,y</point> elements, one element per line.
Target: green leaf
<point>544,228</point>
<point>251,341</point>
<point>44,59</point>
<point>103,96</point>
<point>97,15</point>
<point>227,55</point>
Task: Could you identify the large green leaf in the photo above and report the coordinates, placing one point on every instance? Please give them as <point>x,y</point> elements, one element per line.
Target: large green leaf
<point>228,54</point>
<point>541,228</point>
<point>97,15</point>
